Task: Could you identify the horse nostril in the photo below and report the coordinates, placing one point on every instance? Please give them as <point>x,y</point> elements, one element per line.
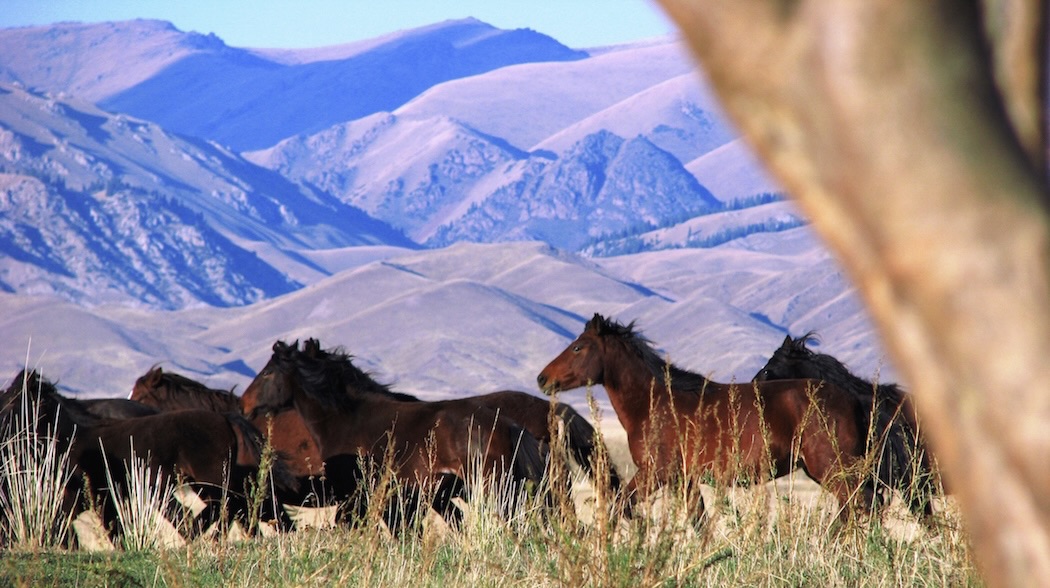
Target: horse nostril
<point>541,380</point>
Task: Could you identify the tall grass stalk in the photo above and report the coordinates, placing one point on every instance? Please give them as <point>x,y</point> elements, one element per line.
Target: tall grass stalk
<point>785,532</point>
<point>34,474</point>
<point>751,537</point>
<point>140,503</point>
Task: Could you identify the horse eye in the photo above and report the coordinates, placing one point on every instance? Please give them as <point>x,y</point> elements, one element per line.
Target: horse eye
<point>576,349</point>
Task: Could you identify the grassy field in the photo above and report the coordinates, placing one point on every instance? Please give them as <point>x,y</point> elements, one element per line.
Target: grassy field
<point>777,534</point>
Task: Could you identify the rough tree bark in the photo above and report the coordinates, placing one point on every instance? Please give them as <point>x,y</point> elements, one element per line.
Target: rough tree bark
<point>919,155</point>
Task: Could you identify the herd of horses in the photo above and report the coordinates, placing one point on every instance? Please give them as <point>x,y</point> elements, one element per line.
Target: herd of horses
<point>314,429</point>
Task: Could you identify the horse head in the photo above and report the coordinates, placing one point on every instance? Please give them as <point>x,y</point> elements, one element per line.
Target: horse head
<point>580,364</point>
<point>272,388</point>
<point>147,383</point>
<point>792,360</point>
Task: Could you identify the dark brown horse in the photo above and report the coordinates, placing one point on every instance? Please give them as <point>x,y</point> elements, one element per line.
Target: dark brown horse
<point>430,447</point>
<point>284,429</point>
<point>887,401</point>
<point>530,412</point>
<point>682,426</point>
<point>217,454</point>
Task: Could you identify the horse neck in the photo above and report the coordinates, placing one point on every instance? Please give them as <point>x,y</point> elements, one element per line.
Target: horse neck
<point>72,418</point>
<point>640,386</point>
<point>833,370</point>
<point>327,422</point>
<point>219,401</point>
<point>628,381</point>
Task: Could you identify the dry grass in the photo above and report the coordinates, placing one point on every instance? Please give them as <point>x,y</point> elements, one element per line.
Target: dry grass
<point>779,533</point>
<point>32,483</point>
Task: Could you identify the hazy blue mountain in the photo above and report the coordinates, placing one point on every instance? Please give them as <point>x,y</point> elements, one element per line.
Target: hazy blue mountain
<point>602,185</point>
<point>96,206</point>
<point>605,181</point>
<point>246,100</point>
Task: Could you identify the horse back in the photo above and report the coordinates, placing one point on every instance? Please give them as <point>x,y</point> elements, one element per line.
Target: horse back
<point>195,443</point>
<point>118,408</point>
<point>527,410</point>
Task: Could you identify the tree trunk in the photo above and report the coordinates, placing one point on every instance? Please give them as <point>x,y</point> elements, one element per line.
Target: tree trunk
<point>919,156</point>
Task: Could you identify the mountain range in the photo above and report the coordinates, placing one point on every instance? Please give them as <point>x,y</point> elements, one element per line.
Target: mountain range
<point>450,202</point>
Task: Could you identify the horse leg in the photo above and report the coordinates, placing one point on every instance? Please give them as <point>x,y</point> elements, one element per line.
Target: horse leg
<point>450,487</point>
<point>273,510</point>
<point>587,449</point>
<point>400,510</point>
<point>838,474</point>
<point>637,490</point>
<point>920,497</point>
<point>694,501</point>
<point>345,478</point>
<point>214,505</point>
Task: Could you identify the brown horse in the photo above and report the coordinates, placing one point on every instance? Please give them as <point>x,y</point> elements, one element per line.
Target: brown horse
<point>530,412</point>
<point>430,447</point>
<point>891,405</point>
<point>284,429</point>
<point>683,426</point>
<point>213,452</point>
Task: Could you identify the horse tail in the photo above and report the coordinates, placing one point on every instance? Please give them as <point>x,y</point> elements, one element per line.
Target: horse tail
<point>900,462</point>
<point>582,441</point>
<point>530,459</point>
<point>527,471</point>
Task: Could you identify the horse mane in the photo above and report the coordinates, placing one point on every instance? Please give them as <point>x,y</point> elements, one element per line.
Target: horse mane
<point>51,402</point>
<point>834,371</point>
<point>339,364</point>
<point>174,388</point>
<point>662,370</point>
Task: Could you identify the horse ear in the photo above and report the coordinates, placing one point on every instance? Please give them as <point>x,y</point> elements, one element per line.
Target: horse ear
<point>595,324</point>
<point>787,342</point>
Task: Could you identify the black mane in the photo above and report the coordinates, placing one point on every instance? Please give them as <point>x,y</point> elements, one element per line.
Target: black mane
<point>663,371</point>
<point>330,376</point>
<point>52,407</point>
<point>177,386</point>
<point>795,359</point>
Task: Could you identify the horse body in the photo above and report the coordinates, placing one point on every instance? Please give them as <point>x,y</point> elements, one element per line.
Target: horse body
<point>681,425</point>
<point>465,431</point>
<point>890,404</point>
<point>533,414</point>
<point>530,412</point>
<point>285,430</point>
<point>426,444</point>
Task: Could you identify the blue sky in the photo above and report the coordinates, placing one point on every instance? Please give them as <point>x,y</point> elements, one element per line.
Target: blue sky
<point>317,23</point>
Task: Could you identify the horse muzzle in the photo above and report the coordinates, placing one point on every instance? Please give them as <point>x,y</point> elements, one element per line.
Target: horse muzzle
<point>547,386</point>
